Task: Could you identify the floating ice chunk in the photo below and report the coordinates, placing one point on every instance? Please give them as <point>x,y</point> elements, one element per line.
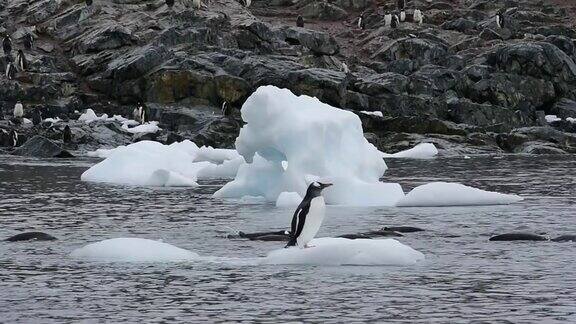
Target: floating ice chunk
<point>552,118</point>
<point>373,113</point>
<point>288,199</point>
<point>140,164</point>
<point>454,194</point>
<point>151,127</point>
<point>133,250</point>
<point>420,151</point>
<point>340,251</point>
<point>288,138</point>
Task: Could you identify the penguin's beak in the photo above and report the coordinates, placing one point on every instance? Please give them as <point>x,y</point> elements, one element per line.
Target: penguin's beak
<point>325,185</point>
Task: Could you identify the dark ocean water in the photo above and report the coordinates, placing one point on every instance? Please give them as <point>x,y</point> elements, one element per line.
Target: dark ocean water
<point>465,278</point>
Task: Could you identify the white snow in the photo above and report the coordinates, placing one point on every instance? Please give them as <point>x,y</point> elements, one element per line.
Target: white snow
<point>288,199</point>
<point>26,121</point>
<point>341,251</point>
<point>150,127</point>
<point>572,120</point>
<point>373,113</point>
<point>552,118</point>
<point>290,138</point>
<point>133,250</point>
<point>52,120</point>
<point>454,194</point>
<point>420,151</point>
<point>149,163</point>
<point>90,116</point>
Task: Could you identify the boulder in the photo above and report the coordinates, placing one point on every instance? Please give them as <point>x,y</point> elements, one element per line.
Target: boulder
<point>42,147</point>
<point>323,11</point>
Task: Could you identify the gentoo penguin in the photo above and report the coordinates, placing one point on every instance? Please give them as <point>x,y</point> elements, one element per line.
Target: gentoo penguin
<point>300,21</point>
<point>499,20</point>
<point>144,113</point>
<point>36,117</point>
<point>395,21</point>
<point>197,4</point>
<point>28,41</point>
<point>418,18</point>
<point>402,16</point>
<point>225,109</point>
<point>14,137</point>
<point>18,110</point>
<point>387,19</point>
<point>400,4</point>
<point>170,3</point>
<point>10,71</point>
<point>21,61</point>
<point>67,135</point>
<point>361,23</point>
<point>88,3</point>
<point>345,68</point>
<point>308,216</point>
<point>7,45</point>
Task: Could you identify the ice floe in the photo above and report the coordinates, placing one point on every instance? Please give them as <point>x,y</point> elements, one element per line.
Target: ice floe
<point>454,194</point>
<point>420,151</point>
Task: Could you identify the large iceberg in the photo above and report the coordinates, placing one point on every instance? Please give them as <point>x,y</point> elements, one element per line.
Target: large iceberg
<point>149,163</point>
<point>437,194</point>
<point>341,251</point>
<point>291,140</point>
<point>133,250</point>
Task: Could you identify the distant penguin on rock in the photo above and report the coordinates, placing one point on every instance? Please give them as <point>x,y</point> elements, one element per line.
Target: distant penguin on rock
<point>418,18</point>
<point>14,138</point>
<point>7,45</point>
<point>225,109</point>
<point>361,23</point>
<point>387,19</point>
<point>400,4</point>
<point>395,22</point>
<point>300,21</point>
<point>345,68</point>
<point>144,113</point>
<point>28,41</point>
<point>170,3</point>
<point>309,216</point>
<point>499,20</point>
<point>21,61</point>
<point>36,117</point>
<point>402,16</point>
<point>18,110</point>
<point>67,135</point>
<point>88,3</point>
<point>10,71</point>
<point>246,3</point>
<point>197,4</point>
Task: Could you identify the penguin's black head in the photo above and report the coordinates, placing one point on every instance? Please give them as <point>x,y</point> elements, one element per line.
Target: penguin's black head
<point>315,188</point>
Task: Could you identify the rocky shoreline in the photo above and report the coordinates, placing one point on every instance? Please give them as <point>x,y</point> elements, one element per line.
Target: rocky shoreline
<point>456,80</point>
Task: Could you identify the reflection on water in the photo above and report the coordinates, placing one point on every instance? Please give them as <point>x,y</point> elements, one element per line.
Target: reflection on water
<point>464,278</point>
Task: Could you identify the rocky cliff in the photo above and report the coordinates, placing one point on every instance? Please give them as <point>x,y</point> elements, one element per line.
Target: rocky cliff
<point>457,79</point>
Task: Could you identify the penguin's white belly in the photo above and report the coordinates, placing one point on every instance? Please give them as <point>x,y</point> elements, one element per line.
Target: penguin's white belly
<point>313,221</point>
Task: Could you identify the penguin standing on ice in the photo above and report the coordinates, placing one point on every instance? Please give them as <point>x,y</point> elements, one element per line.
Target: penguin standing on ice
<point>28,41</point>
<point>308,216</point>
<point>300,21</point>
<point>7,45</point>
<point>136,114</point>
<point>170,3</point>
<point>67,135</point>
<point>144,113</point>
<point>21,61</point>
<point>387,19</point>
<point>10,71</point>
